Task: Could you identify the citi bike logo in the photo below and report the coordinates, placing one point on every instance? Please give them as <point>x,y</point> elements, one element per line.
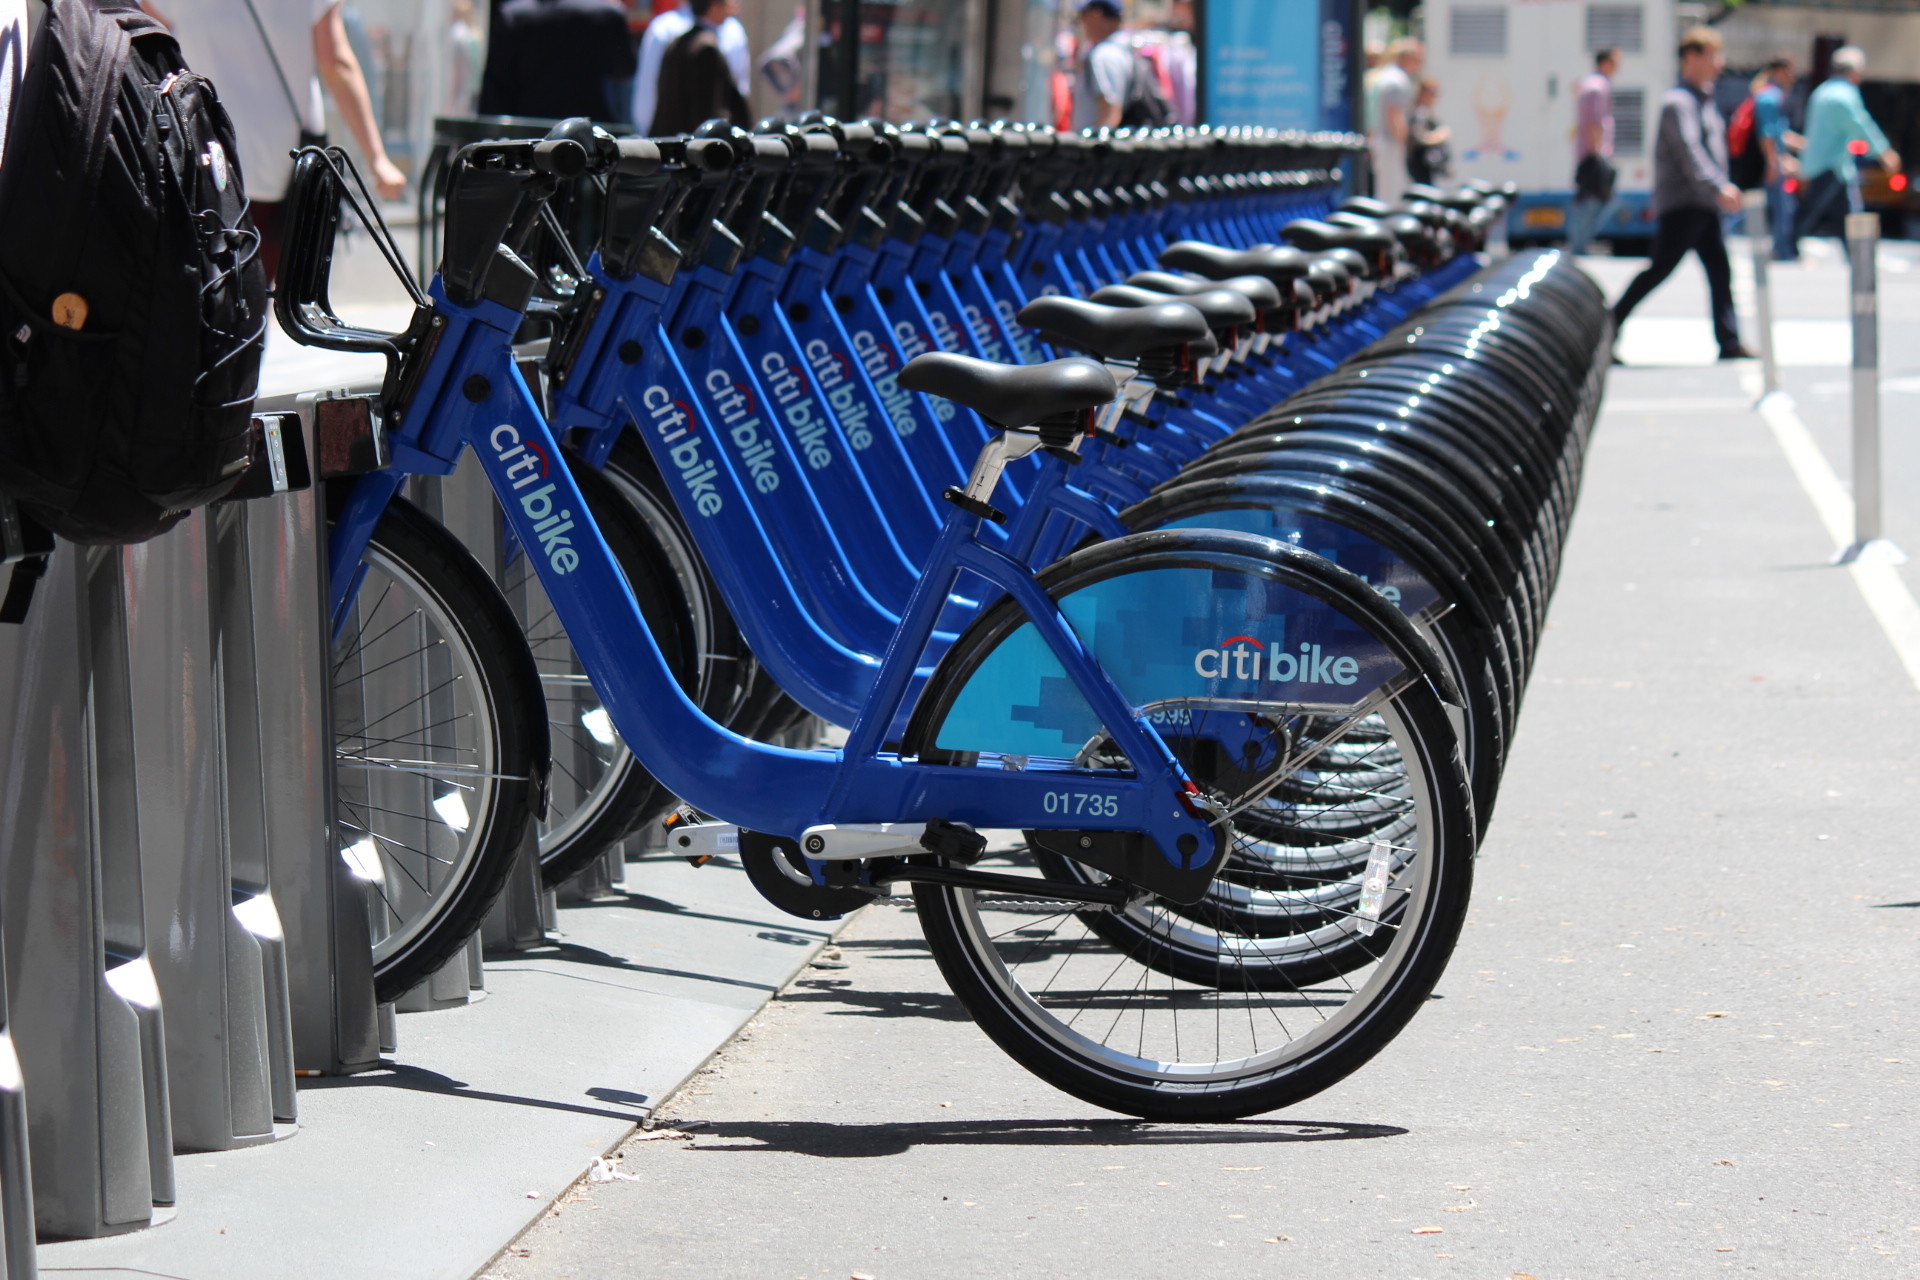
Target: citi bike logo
<point>943,331</point>
<point>737,417</point>
<point>527,463</point>
<point>834,376</point>
<point>673,420</point>
<point>1233,660</point>
<point>911,345</point>
<point>1021,342</point>
<point>878,362</point>
<point>984,334</point>
<point>788,387</point>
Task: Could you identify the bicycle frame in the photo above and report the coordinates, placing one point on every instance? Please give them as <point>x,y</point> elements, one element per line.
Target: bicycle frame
<point>471,394</point>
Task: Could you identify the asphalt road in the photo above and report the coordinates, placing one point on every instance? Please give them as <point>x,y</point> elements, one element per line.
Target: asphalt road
<point>1678,1037</point>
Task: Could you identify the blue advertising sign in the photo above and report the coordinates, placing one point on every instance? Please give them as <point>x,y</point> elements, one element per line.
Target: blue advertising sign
<point>1281,64</point>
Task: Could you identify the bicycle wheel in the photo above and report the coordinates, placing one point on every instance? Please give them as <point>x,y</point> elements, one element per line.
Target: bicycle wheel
<point>599,792</point>
<point>1170,1011</point>
<point>440,744</point>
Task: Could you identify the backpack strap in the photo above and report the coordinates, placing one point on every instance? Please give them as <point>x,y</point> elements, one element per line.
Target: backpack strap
<point>27,546</point>
<point>26,576</point>
<point>307,136</point>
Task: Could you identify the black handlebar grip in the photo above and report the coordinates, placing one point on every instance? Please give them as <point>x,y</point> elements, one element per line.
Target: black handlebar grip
<point>562,157</point>
<point>710,154</point>
<point>638,157</point>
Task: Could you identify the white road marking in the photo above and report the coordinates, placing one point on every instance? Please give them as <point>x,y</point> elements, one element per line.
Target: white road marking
<point>1880,585</point>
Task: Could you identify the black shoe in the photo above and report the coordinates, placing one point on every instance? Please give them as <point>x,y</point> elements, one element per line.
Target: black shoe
<point>1739,353</point>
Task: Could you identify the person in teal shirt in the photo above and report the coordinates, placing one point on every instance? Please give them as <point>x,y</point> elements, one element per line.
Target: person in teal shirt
<point>1836,118</point>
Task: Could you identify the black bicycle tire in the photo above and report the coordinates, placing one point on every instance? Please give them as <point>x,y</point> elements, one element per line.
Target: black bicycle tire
<point>1341,1055</point>
<point>1450,844</point>
<point>487,630</point>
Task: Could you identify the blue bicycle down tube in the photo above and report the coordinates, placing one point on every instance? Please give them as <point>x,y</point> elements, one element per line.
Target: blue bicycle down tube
<point>619,378</point>
<point>826,463</point>
<point>865,417</point>
<point>803,537</point>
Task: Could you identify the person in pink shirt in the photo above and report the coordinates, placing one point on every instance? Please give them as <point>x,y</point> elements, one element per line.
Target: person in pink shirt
<point>1593,171</point>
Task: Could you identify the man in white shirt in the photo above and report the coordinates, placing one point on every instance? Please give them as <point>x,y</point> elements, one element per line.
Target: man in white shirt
<point>1105,77</point>
<point>664,30</point>
<point>268,59</point>
<point>1393,94</point>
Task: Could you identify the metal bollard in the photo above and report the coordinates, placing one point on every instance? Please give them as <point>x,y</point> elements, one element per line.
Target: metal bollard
<point>321,905</point>
<point>195,740</point>
<point>86,1017</point>
<point>1760,242</point>
<point>1868,547</point>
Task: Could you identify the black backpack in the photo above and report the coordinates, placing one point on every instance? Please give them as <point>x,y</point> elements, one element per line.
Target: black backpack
<point>132,301</point>
<point>1146,107</point>
<point>1746,158</point>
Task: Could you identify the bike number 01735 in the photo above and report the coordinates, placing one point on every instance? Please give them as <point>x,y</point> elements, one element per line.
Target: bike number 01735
<point>1089,804</point>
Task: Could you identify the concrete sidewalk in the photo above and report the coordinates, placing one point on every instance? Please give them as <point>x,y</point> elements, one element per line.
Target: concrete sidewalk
<point>490,1111</point>
<point>1677,1038</point>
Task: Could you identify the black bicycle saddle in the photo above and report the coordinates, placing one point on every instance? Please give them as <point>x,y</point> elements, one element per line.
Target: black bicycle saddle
<point>1366,206</point>
<point>1011,395</point>
<point>1359,265</point>
<point>1223,308</point>
<point>1276,262</point>
<point>1260,291</point>
<point>1328,274</point>
<point>1116,332</point>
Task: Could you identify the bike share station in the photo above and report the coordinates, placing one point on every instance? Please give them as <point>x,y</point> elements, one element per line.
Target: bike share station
<point>1145,495</point>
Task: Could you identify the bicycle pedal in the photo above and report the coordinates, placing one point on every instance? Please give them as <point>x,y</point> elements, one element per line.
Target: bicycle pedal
<point>954,841</point>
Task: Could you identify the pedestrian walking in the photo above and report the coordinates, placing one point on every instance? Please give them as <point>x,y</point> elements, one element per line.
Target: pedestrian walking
<point>269,59</point>
<point>1836,119</point>
<point>663,30</point>
<point>551,59</point>
<point>1429,149</point>
<point>1593,171</point>
<point>1691,189</point>
<point>696,83</point>
<point>1393,98</point>
<point>1104,79</point>
<point>1778,143</point>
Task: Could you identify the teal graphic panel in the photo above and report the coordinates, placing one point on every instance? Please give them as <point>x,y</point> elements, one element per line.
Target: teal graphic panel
<point>1166,634</point>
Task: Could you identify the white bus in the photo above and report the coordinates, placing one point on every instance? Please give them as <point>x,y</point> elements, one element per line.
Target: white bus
<point>1507,74</point>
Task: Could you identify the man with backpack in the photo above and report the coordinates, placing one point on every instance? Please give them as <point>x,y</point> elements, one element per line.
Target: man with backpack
<point>1759,150</point>
<point>1114,86</point>
<point>696,84</point>
<point>1691,191</point>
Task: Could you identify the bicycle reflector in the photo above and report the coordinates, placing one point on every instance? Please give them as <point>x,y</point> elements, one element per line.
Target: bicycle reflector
<point>1898,182</point>
<point>1858,146</point>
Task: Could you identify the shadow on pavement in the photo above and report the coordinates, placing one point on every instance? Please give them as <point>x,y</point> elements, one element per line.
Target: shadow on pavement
<point>841,1141</point>
<point>421,1080</point>
<point>874,1004</point>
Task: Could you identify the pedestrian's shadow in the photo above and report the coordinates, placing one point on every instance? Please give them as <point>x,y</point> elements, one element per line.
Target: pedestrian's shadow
<point>843,1141</point>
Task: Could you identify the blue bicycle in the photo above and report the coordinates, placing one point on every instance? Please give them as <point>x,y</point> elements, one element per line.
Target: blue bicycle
<point>1147,710</point>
